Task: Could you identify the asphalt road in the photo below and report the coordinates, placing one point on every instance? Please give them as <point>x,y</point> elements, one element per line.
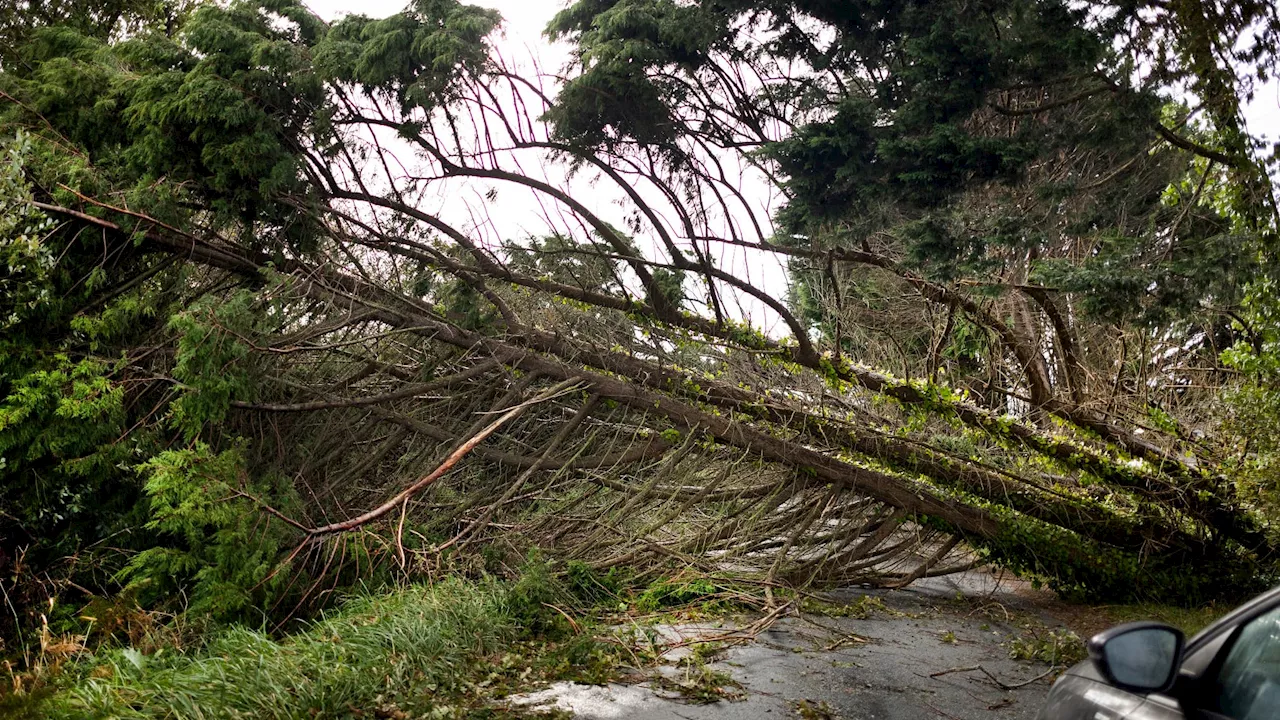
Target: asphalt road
<point>883,667</point>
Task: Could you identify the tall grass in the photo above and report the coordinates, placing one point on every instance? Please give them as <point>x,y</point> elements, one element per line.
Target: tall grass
<point>386,656</point>
<point>1189,620</point>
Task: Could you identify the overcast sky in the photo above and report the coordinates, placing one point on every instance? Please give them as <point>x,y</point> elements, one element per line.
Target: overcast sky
<point>522,214</point>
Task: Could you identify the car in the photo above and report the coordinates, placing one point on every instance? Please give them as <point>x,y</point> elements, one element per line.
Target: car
<point>1145,671</point>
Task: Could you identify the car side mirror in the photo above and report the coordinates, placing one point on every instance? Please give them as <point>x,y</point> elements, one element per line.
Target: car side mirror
<point>1139,657</point>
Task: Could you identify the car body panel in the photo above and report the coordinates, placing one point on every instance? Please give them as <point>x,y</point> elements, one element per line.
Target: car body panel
<point>1075,697</point>
<point>1158,707</point>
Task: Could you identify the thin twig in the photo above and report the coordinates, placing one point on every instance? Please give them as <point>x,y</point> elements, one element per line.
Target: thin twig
<point>1002,685</point>
<point>444,467</point>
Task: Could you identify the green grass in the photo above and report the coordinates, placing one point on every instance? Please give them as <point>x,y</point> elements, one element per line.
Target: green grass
<point>451,650</point>
<point>441,651</point>
<point>1189,620</point>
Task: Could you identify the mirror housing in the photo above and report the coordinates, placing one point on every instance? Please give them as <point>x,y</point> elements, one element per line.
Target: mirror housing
<point>1141,657</point>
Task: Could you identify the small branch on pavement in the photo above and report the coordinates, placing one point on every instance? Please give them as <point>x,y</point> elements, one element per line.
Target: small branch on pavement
<point>1000,683</point>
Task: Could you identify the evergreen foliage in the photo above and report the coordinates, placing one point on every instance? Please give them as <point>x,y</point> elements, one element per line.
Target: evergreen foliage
<point>211,541</point>
<point>1254,404</point>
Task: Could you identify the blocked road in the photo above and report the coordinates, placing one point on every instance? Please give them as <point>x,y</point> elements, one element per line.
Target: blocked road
<point>937,650</point>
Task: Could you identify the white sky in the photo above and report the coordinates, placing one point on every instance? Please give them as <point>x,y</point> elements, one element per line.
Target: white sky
<point>520,214</point>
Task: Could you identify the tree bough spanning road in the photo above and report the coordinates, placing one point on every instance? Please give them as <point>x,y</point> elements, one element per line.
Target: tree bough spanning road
<point>232,266</point>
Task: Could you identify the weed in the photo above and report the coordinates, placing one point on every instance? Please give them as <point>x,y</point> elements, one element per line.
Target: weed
<point>593,588</point>
<point>861,608</point>
<point>949,638</point>
<point>43,664</point>
<point>809,710</point>
<point>673,592</point>
<point>580,658</point>
<point>1054,647</point>
<point>535,597</point>
<point>698,682</point>
<point>708,651</point>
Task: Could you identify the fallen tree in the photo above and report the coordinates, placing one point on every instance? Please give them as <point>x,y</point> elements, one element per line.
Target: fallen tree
<point>232,301</point>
